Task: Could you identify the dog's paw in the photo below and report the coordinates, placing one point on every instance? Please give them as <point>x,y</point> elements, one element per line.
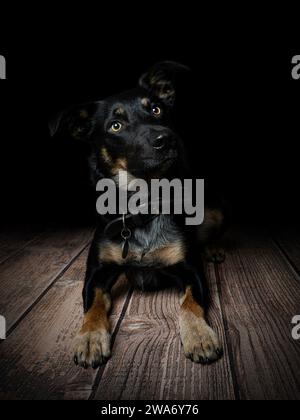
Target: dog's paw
<point>200,343</point>
<point>92,348</point>
<point>214,254</point>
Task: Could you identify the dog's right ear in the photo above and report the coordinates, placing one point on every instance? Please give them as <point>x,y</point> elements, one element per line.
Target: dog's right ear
<point>78,121</point>
<point>160,79</point>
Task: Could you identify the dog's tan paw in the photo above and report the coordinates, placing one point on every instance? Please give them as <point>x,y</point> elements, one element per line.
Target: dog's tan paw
<point>200,342</point>
<point>92,348</point>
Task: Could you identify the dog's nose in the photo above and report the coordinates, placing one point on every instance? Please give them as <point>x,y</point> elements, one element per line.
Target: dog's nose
<point>160,142</point>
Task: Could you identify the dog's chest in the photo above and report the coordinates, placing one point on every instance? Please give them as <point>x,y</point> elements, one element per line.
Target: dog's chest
<point>157,244</point>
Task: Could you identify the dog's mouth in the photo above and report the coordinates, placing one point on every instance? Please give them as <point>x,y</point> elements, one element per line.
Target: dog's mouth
<point>154,166</point>
<point>151,159</point>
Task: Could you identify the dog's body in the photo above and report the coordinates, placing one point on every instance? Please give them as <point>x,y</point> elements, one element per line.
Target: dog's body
<point>132,132</point>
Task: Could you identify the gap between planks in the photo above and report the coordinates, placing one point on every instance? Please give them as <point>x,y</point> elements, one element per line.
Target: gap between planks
<point>36,361</point>
<point>58,276</point>
<point>260,294</point>
<point>291,261</point>
<point>8,241</point>
<point>27,276</point>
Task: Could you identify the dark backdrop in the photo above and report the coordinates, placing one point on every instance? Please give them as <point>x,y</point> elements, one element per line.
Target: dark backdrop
<point>237,111</point>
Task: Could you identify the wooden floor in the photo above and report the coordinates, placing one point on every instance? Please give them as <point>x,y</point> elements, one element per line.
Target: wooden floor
<point>254,296</point>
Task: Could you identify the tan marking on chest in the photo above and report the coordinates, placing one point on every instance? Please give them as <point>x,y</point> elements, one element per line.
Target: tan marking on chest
<point>168,255</point>
<point>171,254</point>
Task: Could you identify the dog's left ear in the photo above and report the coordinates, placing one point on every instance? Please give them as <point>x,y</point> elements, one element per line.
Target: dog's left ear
<point>77,120</point>
<point>160,80</point>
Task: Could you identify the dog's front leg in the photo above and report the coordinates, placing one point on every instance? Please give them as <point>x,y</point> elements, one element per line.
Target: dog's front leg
<point>92,343</point>
<point>200,342</point>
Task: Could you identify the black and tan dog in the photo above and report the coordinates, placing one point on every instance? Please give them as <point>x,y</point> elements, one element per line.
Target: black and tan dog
<point>132,132</point>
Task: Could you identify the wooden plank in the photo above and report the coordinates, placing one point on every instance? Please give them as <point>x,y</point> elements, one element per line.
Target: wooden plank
<point>29,273</point>
<point>289,242</point>
<point>148,361</point>
<point>260,295</point>
<point>13,239</point>
<point>36,361</point>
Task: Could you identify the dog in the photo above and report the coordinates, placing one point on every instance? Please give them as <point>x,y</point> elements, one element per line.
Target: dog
<point>133,132</point>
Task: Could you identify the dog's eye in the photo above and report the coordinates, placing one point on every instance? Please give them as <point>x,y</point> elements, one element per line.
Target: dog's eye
<point>156,110</point>
<point>116,126</point>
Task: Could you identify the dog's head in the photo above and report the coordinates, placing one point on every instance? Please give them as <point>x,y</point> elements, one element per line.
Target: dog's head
<point>131,131</point>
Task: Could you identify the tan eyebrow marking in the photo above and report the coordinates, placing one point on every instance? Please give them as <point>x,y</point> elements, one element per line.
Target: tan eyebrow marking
<point>120,111</point>
<point>145,102</point>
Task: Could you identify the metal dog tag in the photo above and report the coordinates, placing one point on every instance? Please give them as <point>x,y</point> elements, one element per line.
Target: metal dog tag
<point>126,235</point>
<point>125,249</point>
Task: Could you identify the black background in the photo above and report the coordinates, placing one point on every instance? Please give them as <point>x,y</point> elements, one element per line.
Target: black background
<point>237,111</point>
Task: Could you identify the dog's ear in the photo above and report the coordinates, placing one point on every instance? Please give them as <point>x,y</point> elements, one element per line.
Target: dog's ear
<point>78,121</point>
<point>160,80</point>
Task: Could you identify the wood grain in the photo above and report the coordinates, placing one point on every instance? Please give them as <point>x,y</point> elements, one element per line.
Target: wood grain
<point>260,295</point>
<point>27,275</point>
<point>148,361</point>
<point>36,361</point>
<point>254,296</point>
<point>13,239</point>
<point>288,241</point>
